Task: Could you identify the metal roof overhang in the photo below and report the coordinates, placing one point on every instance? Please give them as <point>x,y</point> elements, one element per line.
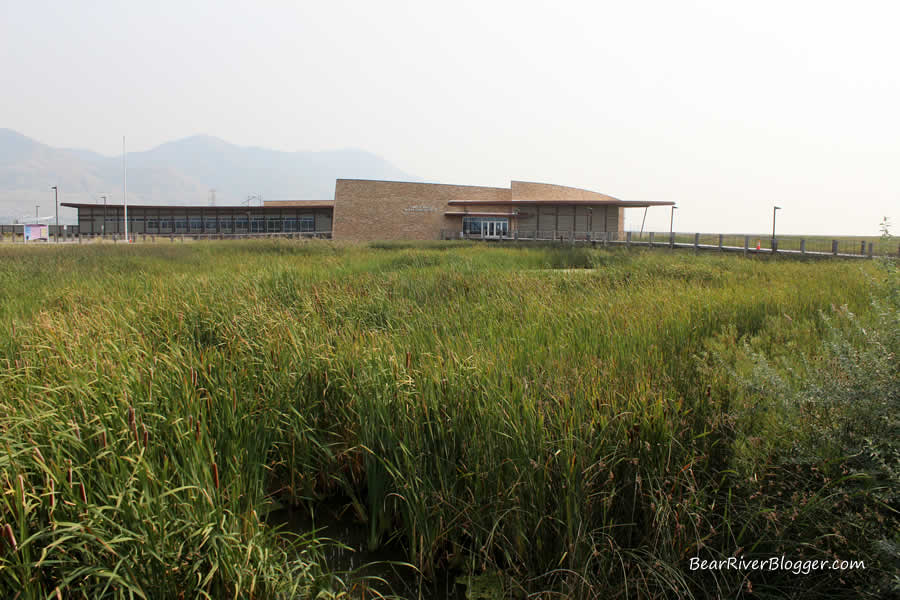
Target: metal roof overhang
<point>624,203</point>
<point>460,213</point>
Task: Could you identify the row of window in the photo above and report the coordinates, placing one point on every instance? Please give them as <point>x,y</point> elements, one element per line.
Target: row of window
<point>226,224</point>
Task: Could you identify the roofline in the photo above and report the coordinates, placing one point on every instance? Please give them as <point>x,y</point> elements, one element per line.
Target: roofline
<point>486,187</point>
<point>623,203</point>
<point>298,202</point>
<point>315,204</point>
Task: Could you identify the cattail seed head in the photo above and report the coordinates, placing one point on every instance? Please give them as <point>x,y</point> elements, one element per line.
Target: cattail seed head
<point>38,456</point>
<point>103,438</point>
<point>10,537</point>
<point>22,490</point>
<point>52,495</point>
<point>146,435</point>
<point>77,429</point>
<point>408,359</point>
<point>83,493</point>
<point>215,470</point>
<point>69,471</point>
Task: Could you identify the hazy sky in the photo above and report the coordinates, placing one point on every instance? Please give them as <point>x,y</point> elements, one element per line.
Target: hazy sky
<point>726,108</point>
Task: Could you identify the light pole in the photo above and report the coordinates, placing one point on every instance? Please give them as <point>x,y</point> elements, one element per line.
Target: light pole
<point>56,198</point>
<point>774,212</point>
<point>672,220</point>
<point>36,207</point>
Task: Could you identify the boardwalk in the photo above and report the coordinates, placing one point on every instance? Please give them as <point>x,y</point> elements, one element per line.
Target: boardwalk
<point>745,244</point>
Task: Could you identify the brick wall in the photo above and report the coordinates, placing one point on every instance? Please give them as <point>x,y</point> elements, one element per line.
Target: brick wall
<point>394,210</point>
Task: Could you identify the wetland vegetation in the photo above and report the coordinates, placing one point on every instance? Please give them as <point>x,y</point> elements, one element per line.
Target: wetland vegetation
<point>530,422</point>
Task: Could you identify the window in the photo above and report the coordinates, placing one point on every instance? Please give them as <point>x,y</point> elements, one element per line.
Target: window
<point>498,226</point>
<point>307,223</point>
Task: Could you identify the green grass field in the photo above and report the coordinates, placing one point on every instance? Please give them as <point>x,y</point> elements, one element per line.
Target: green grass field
<point>538,422</point>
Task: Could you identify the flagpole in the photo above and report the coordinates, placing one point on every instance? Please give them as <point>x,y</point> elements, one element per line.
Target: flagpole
<point>125,188</point>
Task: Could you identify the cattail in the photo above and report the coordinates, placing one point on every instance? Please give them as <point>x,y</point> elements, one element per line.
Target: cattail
<point>39,456</point>
<point>52,495</point>
<point>10,537</point>
<point>77,429</point>
<point>22,490</point>
<point>103,438</point>
<point>69,469</point>
<point>132,423</point>
<point>146,435</point>
<point>215,470</point>
<point>408,359</point>
<point>83,493</point>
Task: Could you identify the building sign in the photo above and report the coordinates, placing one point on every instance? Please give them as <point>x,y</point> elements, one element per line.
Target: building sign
<point>36,232</point>
<point>419,209</point>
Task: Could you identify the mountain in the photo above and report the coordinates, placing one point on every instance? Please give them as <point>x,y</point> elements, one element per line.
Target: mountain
<point>178,172</point>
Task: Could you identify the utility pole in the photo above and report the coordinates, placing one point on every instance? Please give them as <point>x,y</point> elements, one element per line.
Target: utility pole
<point>56,199</point>
<point>36,207</point>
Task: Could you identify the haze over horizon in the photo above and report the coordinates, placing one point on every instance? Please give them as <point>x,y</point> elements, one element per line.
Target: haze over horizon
<point>726,110</point>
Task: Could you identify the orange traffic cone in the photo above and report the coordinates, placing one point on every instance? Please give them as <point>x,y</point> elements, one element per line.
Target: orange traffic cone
<point>757,244</point>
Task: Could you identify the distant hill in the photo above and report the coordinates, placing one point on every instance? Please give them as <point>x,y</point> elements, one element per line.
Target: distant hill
<point>177,172</point>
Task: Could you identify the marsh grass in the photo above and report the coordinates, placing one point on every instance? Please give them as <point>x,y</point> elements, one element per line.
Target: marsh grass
<point>484,407</point>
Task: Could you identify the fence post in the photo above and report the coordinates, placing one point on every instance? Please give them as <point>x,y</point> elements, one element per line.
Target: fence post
<point>834,247</point>
<point>651,239</point>
<point>746,244</point>
<point>803,246</point>
<point>774,245</point>
<point>671,239</point>
<point>721,239</point>
<point>628,239</point>
<point>696,241</point>
<point>870,249</point>
<point>862,247</point>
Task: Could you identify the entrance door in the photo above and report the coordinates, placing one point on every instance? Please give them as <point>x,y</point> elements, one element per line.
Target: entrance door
<point>492,230</point>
